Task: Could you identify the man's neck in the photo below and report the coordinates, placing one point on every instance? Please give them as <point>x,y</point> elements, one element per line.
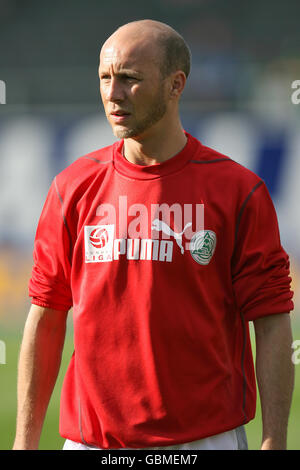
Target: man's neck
<point>157,148</point>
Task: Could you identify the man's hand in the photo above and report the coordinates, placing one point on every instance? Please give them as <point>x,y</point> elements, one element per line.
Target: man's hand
<point>275,377</point>
<point>39,363</point>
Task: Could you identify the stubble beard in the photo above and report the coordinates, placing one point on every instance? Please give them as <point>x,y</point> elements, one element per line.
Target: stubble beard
<point>156,113</point>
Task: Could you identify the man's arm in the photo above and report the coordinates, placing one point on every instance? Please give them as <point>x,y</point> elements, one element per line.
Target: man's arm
<point>275,377</point>
<point>39,363</point>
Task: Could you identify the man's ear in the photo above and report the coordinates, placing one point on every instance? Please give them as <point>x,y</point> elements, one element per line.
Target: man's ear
<point>178,80</point>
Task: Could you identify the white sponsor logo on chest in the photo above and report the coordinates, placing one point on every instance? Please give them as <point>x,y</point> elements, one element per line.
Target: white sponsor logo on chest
<point>117,236</point>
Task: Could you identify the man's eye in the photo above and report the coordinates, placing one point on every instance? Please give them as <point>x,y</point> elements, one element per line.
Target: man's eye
<point>129,78</point>
<point>126,78</point>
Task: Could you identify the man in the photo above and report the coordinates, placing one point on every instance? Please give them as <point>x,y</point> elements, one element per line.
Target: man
<point>161,302</point>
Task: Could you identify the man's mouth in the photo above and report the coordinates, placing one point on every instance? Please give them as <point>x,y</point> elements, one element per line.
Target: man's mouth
<point>120,115</point>
<point>120,112</point>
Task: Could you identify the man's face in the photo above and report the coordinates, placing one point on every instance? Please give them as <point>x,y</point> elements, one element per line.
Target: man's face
<point>132,89</point>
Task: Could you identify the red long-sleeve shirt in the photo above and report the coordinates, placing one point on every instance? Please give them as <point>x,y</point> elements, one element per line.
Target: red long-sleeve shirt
<point>161,304</point>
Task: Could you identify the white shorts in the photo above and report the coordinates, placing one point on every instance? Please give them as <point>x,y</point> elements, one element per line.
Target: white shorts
<point>230,440</point>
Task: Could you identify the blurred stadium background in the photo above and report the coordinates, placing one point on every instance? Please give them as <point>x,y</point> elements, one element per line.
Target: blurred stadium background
<point>237,100</point>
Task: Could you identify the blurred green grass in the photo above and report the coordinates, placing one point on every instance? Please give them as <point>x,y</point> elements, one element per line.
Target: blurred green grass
<point>51,440</point>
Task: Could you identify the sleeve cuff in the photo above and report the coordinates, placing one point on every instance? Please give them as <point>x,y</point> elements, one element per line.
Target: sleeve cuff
<point>54,306</point>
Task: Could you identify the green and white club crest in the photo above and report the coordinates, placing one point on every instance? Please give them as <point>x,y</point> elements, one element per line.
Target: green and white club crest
<point>203,245</point>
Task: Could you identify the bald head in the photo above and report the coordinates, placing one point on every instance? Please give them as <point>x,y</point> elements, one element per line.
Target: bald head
<point>157,40</point>
<point>142,70</point>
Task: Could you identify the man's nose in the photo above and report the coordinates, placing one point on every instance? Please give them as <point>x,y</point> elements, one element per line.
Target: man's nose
<point>115,91</point>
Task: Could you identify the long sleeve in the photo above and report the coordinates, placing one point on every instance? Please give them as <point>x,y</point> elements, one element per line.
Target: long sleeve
<point>49,285</point>
<point>260,267</point>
